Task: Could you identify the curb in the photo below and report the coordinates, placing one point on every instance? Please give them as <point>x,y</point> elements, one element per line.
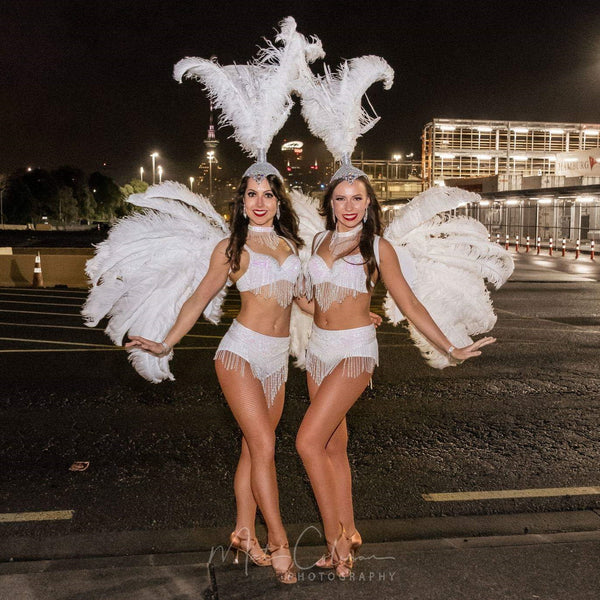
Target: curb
<point>417,533</point>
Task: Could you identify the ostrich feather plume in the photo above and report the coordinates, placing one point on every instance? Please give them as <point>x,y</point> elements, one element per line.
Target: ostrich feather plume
<point>451,260</point>
<point>332,103</point>
<point>255,99</point>
<point>151,262</point>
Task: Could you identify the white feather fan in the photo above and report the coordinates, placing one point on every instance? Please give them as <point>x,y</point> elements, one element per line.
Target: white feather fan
<point>310,223</point>
<point>255,99</point>
<point>452,259</point>
<point>148,267</point>
<point>331,104</point>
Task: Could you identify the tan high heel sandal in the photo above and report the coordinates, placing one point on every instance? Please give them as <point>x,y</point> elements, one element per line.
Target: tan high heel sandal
<point>343,566</point>
<point>326,561</point>
<point>289,575</point>
<point>251,548</point>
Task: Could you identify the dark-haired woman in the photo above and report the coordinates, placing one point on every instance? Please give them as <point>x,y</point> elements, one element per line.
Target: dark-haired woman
<point>261,258</point>
<point>347,260</point>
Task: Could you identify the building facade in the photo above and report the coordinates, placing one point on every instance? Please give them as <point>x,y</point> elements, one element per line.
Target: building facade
<point>536,179</point>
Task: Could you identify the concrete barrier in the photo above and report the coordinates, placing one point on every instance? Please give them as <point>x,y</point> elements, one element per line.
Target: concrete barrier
<point>59,269</point>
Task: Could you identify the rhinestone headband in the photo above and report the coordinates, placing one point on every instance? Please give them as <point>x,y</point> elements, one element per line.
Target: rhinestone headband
<point>347,171</point>
<point>259,170</point>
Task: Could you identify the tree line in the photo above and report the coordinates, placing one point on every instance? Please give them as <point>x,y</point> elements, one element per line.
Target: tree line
<point>64,196</point>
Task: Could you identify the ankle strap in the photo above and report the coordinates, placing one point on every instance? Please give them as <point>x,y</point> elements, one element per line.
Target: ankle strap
<point>285,546</point>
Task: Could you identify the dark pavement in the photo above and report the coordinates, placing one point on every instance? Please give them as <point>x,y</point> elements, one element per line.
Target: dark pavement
<point>523,417</point>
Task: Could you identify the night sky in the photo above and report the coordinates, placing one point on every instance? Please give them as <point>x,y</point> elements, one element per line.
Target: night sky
<point>87,82</point>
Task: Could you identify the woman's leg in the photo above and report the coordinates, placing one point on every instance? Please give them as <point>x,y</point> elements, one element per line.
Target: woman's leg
<point>326,413</point>
<point>336,450</point>
<point>246,399</point>
<point>244,497</point>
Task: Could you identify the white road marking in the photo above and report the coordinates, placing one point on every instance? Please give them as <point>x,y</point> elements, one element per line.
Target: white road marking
<point>83,328</point>
<point>3,339</point>
<point>42,296</point>
<point>35,312</point>
<point>44,515</point>
<point>100,349</point>
<point>500,494</point>
<point>37,303</point>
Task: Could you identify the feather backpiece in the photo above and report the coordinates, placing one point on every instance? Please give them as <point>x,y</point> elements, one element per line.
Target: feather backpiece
<point>255,99</point>
<point>310,223</point>
<point>149,266</point>
<point>451,261</point>
<point>332,103</point>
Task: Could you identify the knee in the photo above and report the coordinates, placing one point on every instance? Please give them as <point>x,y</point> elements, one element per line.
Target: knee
<point>262,448</point>
<point>306,446</point>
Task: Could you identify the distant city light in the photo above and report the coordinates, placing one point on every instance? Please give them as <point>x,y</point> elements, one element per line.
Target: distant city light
<point>556,131</point>
<point>590,132</point>
<point>446,127</point>
<point>520,129</point>
<point>545,201</point>
<point>484,129</point>
<point>585,199</point>
<point>484,203</point>
<point>512,202</point>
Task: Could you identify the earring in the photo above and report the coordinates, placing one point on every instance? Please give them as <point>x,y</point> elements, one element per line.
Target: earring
<point>333,214</point>
<point>366,215</point>
<point>278,213</point>
<point>244,212</point>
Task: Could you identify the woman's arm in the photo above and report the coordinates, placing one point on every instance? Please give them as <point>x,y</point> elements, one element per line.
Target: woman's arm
<point>305,305</point>
<point>415,312</point>
<point>212,282</point>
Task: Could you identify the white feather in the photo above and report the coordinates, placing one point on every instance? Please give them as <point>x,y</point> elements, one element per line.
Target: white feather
<point>151,262</point>
<point>331,104</point>
<point>310,223</point>
<point>452,259</point>
<point>255,99</point>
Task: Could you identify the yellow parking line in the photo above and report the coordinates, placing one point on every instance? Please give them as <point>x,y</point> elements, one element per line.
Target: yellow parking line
<point>44,515</point>
<point>500,494</point>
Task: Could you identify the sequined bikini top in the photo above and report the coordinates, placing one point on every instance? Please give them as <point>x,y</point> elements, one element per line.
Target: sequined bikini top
<point>346,276</point>
<point>266,277</point>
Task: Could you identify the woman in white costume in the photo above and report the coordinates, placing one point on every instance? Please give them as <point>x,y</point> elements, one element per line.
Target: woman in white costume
<point>348,258</point>
<point>260,257</point>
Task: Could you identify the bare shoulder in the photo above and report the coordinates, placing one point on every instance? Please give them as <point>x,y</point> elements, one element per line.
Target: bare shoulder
<point>386,249</point>
<point>221,247</point>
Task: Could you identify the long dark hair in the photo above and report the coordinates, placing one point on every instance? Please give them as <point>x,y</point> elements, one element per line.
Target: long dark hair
<point>286,226</point>
<point>370,229</point>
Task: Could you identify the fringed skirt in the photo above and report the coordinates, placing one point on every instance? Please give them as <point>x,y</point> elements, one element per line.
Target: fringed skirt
<point>266,355</point>
<point>328,348</point>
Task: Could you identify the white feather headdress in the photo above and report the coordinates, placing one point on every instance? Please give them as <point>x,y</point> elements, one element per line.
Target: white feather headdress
<point>332,107</point>
<point>255,99</point>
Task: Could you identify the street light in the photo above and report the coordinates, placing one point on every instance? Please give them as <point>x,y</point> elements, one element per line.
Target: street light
<point>160,172</point>
<point>142,173</point>
<point>154,156</point>
<point>211,156</point>
<point>192,184</point>
<point>396,157</point>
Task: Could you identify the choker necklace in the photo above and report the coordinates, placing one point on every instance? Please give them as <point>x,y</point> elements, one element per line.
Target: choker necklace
<point>343,241</point>
<point>267,236</point>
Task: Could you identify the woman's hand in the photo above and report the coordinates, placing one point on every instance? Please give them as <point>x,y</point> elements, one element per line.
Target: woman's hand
<point>154,348</point>
<point>375,319</point>
<point>462,354</point>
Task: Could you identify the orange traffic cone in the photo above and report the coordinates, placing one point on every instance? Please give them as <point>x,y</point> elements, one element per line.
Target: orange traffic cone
<point>38,279</point>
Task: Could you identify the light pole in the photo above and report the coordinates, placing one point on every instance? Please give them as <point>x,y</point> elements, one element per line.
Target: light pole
<point>160,172</point>
<point>192,184</point>
<point>154,156</point>
<point>1,207</point>
<point>211,156</point>
<point>142,173</point>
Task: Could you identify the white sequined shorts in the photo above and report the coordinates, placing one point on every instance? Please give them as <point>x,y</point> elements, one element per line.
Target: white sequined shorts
<point>267,356</point>
<point>328,348</point>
